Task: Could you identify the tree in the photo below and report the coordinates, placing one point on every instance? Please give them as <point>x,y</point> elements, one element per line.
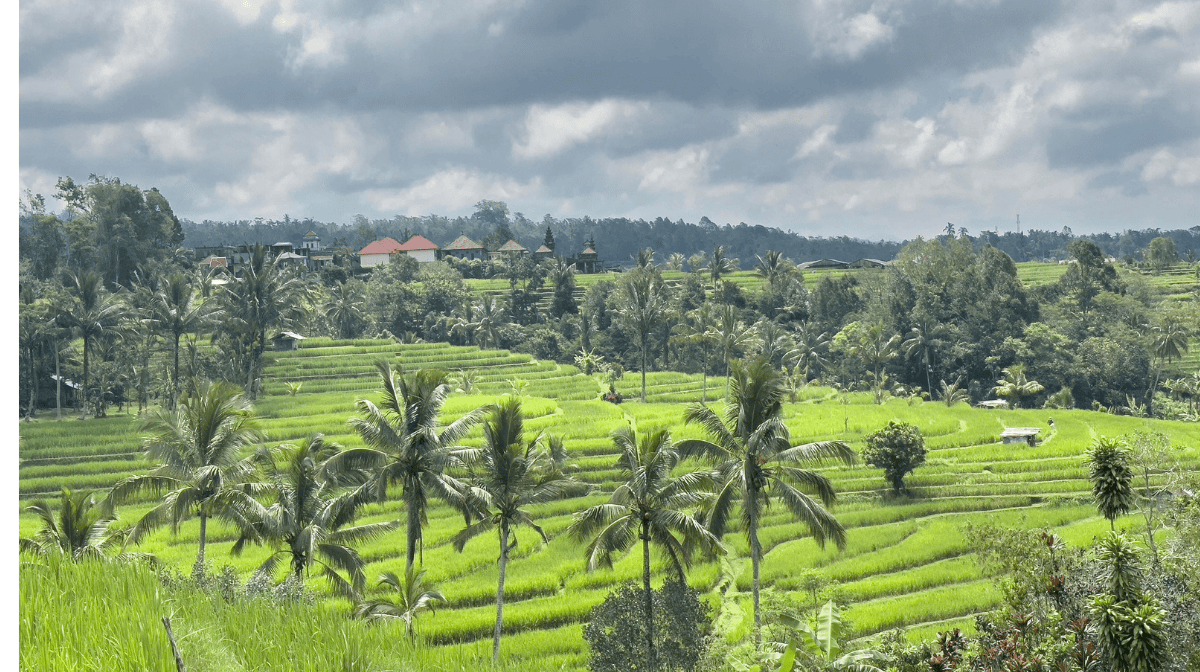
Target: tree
<point>510,477</point>
<point>731,335</point>
<point>720,265</point>
<point>641,312</point>
<point>615,629</point>
<point>875,348</point>
<point>197,447</point>
<point>563,277</point>
<point>176,312</point>
<point>1014,385</point>
<point>1130,626</point>
<point>922,339</point>
<point>897,448</point>
<point>79,531</point>
<point>264,298</point>
<point>92,313</point>
<point>489,317</point>
<point>821,640</point>
<point>310,522</point>
<point>405,447</point>
<point>755,463</point>
<point>809,353</point>
<point>651,506</point>
<point>953,393</point>
<point>413,597</point>
<point>35,328</point>
<point>697,328</point>
<point>1161,253</point>
<point>1108,466</point>
<point>344,308</point>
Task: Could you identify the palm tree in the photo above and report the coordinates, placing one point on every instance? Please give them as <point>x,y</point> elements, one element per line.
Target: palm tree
<point>697,328</point>
<point>404,446</point>
<point>265,297</point>
<point>921,339</point>
<point>675,261</point>
<point>510,477</point>
<point>414,597</point>
<point>35,329</point>
<point>176,312</point>
<point>92,313</point>
<point>644,258</point>
<point>1014,384</point>
<point>756,463</point>
<point>79,531</point>
<point>344,307</point>
<point>774,341</point>
<point>1170,342</point>
<point>875,350</point>
<point>808,355</point>
<point>731,334</point>
<point>489,318</point>
<point>308,520</point>
<point>954,393</point>
<point>649,505</point>
<point>642,312</point>
<point>197,447</point>
<point>720,265</point>
<point>774,267</point>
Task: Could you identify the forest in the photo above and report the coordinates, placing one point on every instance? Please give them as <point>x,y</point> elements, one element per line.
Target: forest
<point>711,401</point>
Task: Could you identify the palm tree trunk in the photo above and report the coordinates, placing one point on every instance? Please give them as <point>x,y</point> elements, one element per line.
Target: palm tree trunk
<point>414,533</point>
<point>203,534</point>
<point>500,592</point>
<point>83,390</point>
<point>644,344</point>
<point>755,554</point>
<point>651,663</point>
<point>57,385</point>
<point>175,378</point>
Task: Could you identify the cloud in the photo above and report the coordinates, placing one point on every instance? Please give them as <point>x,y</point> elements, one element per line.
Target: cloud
<point>452,190</point>
<point>549,130</point>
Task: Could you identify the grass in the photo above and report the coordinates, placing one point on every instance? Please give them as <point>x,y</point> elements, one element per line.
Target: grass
<point>905,562</point>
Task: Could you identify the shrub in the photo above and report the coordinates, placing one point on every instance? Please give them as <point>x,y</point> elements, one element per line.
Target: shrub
<point>616,629</point>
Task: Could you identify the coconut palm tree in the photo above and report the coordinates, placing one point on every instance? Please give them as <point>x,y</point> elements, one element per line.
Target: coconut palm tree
<point>774,267</point>
<point>720,265</point>
<point>197,447</point>
<point>675,261</point>
<point>309,521</point>
<point>731,334</point>
<point>344,307</point>
<point>651,506</point>
<point>79,530</point>
<point>922,339</point>
<point>1016,385</point>
<point>404,446</point>
<point>510,476</point>
<point>413,597</point>
<point>809,353</point>
<point>262,298</point>
<point>755,463</point>
<point>176,312</point>
<point>698,328</point>
<point>92,312</point>
<point>774,341</point>
<point>642,311</point>
<point>489,316</point>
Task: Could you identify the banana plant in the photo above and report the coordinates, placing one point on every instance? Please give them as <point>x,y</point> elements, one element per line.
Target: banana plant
<point>820,639</point>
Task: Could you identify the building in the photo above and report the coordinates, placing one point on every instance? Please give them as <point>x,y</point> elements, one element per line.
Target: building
<point>513,249</point>
<point>587,261</point>
<point>378,252</point>
<point>464,248</point>
<point>1026,435</point>
<point>420,248</point>
<point>823,263</point>
<point>543,253</point>
<point>870,263</point>
<point>311,243</point>
<point>287,340</point>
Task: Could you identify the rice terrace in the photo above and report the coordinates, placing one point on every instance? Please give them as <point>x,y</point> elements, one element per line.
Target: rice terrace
<point>909,560</point>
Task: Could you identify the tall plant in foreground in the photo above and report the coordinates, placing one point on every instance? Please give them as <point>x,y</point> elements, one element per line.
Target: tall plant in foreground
<point>413,596</point>
<point>404,445</point>
<point>309,522</point>
<point>198,446</point>
<point>651,506</point>
<point>78,531</point>
<point>509,478</point>
<point>1112,479</point>
<point>756,463</point>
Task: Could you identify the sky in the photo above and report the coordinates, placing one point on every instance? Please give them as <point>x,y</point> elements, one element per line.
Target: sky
<point>881,119</point>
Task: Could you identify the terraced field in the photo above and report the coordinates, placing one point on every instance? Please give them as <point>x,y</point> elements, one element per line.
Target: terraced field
<point>906,562</point>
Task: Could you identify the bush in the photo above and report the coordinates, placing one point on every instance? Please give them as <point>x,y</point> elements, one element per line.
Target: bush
<point>897,448</point>
<point>616,629</point>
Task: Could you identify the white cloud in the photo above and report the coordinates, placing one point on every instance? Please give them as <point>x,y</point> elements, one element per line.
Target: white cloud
<point>549,130</point>
<point>817,141</point>
<point>843,34</point>
<point>683,170</point>
<point>450,190</point>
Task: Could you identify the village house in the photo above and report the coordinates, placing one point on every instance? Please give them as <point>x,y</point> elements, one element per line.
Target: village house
<point>464,248</point>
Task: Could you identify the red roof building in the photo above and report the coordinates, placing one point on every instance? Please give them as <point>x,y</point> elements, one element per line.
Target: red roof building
<point>417,243</point>
<point>385,246</point>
